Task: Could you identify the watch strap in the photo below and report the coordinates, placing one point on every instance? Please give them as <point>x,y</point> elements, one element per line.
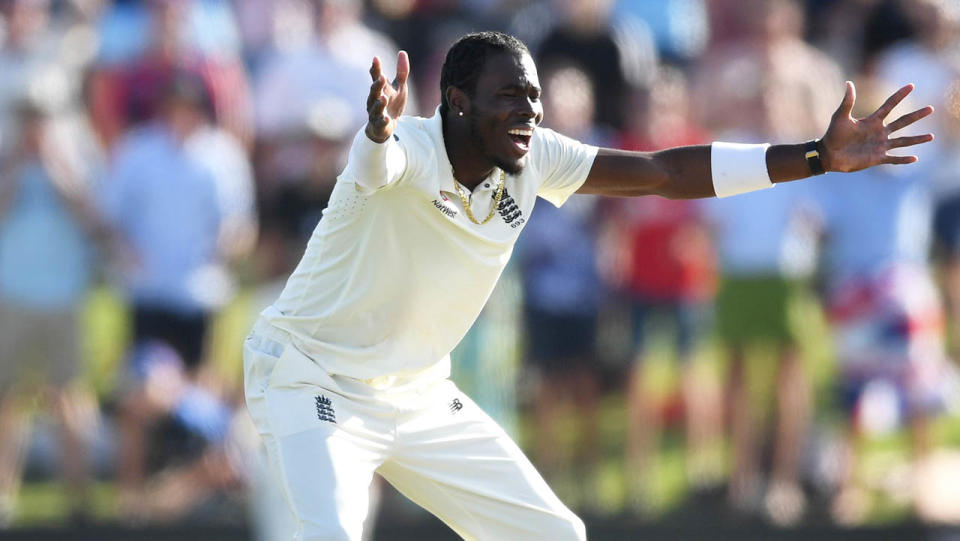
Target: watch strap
<point>812,154</point>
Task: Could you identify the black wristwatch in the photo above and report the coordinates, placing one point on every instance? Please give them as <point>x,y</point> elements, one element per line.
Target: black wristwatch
<point>812,154</point>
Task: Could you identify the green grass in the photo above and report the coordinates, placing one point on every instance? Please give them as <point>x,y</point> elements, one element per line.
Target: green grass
<point>46,503</point>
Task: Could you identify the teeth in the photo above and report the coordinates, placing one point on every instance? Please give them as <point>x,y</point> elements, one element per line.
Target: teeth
<point>520,131</point>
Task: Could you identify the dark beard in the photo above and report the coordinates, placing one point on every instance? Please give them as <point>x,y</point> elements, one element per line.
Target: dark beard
<point>509,168</point>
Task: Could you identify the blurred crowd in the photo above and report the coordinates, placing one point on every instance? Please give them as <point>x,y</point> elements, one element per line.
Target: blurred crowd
<point>177,154</point>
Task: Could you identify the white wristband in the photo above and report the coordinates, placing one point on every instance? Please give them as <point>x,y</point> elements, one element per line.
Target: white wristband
<point>738,168</point>
<point>374,165</point>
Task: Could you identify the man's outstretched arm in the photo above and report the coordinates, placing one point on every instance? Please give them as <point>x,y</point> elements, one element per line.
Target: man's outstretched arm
<point>686,172</point>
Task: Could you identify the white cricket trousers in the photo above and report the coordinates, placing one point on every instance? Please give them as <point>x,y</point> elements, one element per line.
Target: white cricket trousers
<point>327,435</point>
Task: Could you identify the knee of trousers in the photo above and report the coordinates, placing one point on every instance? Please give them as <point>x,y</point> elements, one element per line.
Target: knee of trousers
<point>566,527</point>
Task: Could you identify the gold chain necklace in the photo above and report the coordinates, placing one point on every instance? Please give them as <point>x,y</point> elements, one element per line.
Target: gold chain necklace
<point>496,199</point>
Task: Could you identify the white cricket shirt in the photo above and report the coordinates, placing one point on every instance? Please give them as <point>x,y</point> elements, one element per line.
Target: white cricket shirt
<point>392,279</point>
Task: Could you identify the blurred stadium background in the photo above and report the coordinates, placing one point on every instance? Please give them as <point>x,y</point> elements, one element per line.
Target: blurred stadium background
<point>774,366</point>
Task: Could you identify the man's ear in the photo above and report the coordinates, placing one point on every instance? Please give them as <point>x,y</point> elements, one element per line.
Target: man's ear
<point>458,101</point>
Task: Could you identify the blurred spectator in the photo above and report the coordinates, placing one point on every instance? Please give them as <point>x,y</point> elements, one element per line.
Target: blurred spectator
<point>561,296</point>
<point>192,456</point>
<point>144,44</point>
<point>48,231</point>
<point>946,182</point>
<point>267,26</point>
<point>310,101</point>
<point>931,60</point>
<point>669,275</point>
<point>770,83</point>
<point>680,27</point>
<point>765,243</point>
<point>224,156</point>
<point>570,102</point>
<point>887,319</point>
<point>841,29</point>
<point>207,27</point>
<point>772,86</point>
<point>26,47</point>
<point>295,175</point>
<point>323,80</point>
<point>561,300</point>
<point>615,54</point>
<point>726,22</point>
<point>162,194</point>
<point>39,57</point>
<point>48,227</point>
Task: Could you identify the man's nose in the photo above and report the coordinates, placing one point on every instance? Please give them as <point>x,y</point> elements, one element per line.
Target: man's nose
<point>529,108</point>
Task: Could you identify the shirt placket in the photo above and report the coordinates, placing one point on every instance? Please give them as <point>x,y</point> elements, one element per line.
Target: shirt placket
<point>480,199</point>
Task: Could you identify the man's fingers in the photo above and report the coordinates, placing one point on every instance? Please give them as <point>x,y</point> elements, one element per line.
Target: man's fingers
<point>377,108</point>
<point>384,99</point>
<point>397,104</point>
<point>846,105</point>
<point>403,70</point>
<point>378,122</point>
<point>376,127</point>
<point>376,117</point>
<point>899,160</point>
<point>910,141</point>
<point>893,101</point>
<point>375,90</point>
<point>908,119</point>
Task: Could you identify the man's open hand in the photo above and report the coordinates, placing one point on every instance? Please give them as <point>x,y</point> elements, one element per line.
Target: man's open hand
<point>386,100</point>
<point>853,144</point>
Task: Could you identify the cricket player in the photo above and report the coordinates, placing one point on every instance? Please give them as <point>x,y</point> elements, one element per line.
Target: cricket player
<point>346,374</point>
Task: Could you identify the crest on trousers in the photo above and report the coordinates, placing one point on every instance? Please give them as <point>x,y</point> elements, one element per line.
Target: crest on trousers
<point>325,409</point>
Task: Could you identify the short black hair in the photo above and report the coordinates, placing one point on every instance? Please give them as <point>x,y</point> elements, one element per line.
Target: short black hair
<point>465,60</point>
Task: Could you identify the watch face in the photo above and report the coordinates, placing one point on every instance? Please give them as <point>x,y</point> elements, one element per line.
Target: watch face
<point>813,158</point>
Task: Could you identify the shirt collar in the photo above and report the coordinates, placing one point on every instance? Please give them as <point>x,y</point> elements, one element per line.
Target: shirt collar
<point>444,167</point>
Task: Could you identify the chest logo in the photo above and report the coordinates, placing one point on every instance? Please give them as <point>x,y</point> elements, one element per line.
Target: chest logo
<point>445,206</point>
<point>510,211</point>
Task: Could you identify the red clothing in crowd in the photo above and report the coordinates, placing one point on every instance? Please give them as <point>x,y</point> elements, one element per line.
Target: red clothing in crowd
<point>671,257</point>
<point>124,96</point>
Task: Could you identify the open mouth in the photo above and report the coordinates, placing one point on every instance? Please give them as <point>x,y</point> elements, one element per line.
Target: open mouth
<point>521,138</point>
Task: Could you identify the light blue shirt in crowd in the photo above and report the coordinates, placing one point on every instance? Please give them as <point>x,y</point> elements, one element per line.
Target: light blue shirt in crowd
<point>681,28</point>
<point>874,219</point>
<point>124,30</point>
<point>45,257</point>
<point>769,232</point>
<point>165,204</point>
